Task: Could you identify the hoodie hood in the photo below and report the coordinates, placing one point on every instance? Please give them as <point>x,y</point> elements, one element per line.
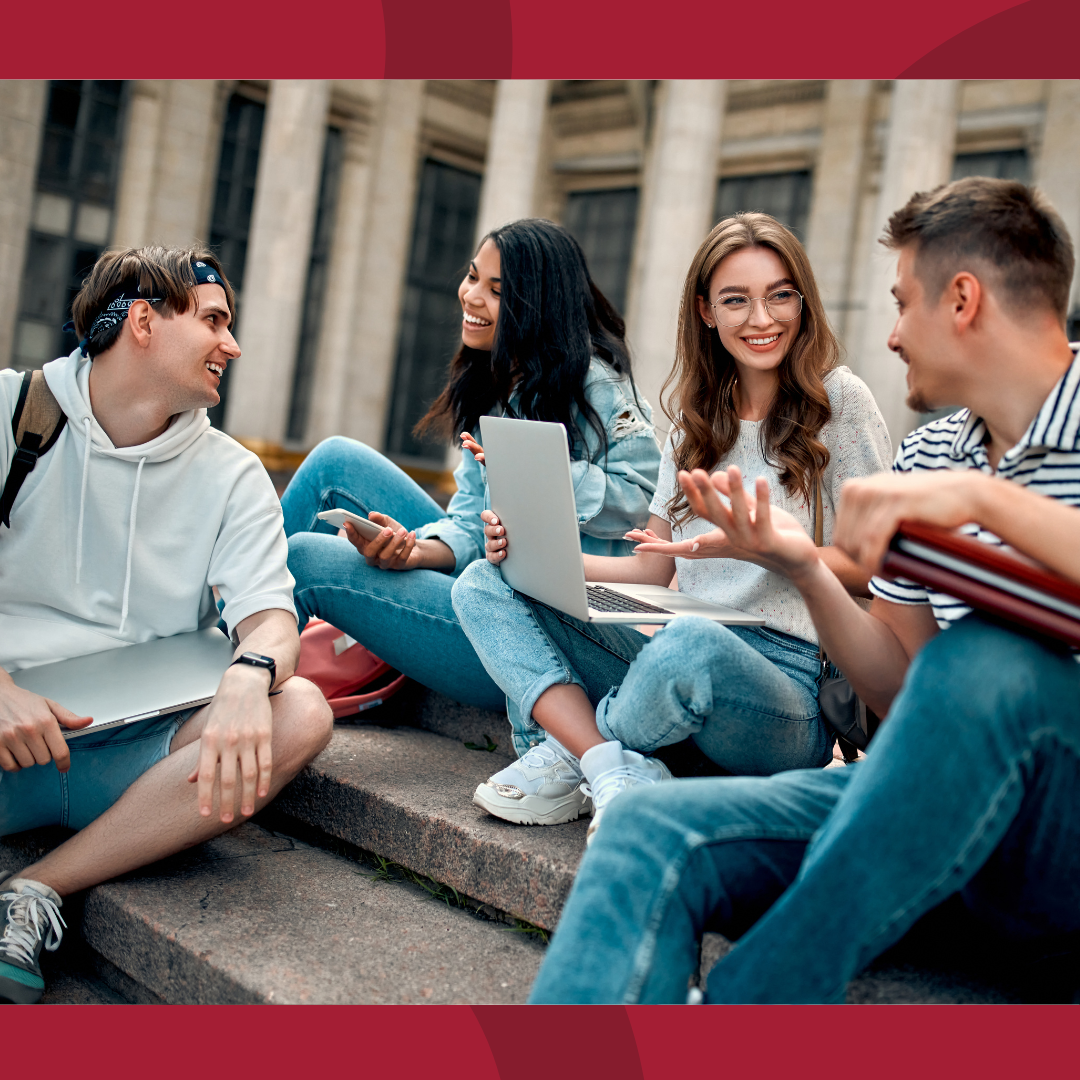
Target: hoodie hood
<point>69,380</point>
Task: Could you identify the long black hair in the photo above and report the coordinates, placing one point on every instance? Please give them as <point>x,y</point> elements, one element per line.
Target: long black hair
<point>552,321</point>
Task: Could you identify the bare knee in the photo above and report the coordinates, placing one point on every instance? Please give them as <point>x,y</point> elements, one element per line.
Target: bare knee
<point>302,720</point>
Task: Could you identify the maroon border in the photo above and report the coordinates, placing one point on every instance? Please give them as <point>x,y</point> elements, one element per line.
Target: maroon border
<point>542,39</point>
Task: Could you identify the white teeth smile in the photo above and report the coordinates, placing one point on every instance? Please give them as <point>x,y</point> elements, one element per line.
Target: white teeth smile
<point>761,340</point>
<point>474,320</point>
<point>217,369</point>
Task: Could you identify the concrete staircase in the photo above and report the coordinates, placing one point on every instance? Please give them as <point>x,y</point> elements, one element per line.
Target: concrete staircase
<point>304,904</point>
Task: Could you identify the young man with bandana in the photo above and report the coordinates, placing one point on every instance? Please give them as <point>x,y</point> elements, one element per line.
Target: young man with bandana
<point>118,536</point>
<point>968,802</point>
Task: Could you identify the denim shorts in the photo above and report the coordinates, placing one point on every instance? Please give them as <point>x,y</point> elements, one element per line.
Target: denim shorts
<point>103,767</point>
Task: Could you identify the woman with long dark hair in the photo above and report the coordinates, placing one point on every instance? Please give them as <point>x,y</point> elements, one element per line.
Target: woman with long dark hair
<point>756,392</point>
<point>538,341</point>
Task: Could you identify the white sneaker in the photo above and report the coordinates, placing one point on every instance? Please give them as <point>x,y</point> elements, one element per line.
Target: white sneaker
<point>606,785</point>
<point>543,787</point>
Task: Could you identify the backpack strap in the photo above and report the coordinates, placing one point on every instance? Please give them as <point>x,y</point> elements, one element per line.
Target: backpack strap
<point>36,425</point>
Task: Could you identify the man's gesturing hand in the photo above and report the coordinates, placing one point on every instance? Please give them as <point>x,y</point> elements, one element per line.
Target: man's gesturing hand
<point>236,736</point>
<point>30,729</point>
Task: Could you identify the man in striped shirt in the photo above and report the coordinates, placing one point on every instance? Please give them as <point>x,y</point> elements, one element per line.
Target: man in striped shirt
<point>968,803</point>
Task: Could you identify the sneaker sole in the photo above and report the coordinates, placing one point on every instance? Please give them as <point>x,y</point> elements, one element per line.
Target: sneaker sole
<point>532,810</point>
<point>13,989</point>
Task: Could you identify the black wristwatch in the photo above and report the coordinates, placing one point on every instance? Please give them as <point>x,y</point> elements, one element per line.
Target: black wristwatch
<point>257,660</point>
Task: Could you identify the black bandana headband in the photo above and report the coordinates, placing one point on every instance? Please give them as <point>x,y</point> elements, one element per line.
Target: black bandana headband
<point>117,309</point>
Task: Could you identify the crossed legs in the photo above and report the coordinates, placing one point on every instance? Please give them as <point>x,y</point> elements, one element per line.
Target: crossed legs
<point>158,814</point>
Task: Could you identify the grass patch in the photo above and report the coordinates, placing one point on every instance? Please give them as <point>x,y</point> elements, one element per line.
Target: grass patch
<point>386,870</point>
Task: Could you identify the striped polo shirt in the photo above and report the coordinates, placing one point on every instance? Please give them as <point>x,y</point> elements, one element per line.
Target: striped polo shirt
<point>1046,460</point>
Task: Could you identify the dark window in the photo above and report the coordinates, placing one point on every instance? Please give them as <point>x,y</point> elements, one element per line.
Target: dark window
<point>72,216</point>
<point>603,223</point>
<point>784,195</point>
<point>430,331</point>
<point>315,290</point>
<point>234,196</point>
<point>999,164</point>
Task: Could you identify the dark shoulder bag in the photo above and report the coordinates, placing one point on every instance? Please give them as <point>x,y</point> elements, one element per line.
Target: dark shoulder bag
<point>841,707</point>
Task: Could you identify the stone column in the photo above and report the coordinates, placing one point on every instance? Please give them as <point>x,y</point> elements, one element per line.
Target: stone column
<point>391,206</point>
<point>513,157</point>
<point>282,222</point>
<point>338,345</point>
<point>139,165</point>
<point>187,157</point>
<point>918,156</point>
<point>837,182</point>
<point>678,196</point>
<point>1059,160</point>
<point>22,116</point>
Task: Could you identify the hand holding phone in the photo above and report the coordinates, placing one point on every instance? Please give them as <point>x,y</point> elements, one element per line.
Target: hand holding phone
<point>366,528</point>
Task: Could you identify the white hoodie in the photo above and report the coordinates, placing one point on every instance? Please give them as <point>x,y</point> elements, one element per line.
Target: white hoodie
<point>109,546</point>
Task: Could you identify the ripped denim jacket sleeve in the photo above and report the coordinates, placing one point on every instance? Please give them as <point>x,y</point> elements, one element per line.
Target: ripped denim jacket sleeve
<point>613,490</point>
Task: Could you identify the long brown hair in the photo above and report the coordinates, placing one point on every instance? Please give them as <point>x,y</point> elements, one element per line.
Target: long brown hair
<point>701,401</point>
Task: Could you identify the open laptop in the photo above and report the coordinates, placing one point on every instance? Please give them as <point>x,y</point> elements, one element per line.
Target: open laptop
<point>532,492</point>
<point>134,682</point>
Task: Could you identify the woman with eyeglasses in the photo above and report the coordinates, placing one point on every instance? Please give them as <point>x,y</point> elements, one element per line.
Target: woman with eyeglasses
<point>756,391</point>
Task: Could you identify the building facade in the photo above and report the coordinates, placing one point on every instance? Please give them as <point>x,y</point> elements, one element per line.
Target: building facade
<point>345,211</point>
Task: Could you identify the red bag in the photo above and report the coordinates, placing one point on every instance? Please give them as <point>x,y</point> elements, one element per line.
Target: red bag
<point>351,678</point>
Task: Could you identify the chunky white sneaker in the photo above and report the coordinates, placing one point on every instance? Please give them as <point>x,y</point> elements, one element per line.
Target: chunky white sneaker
<point>605,785</point>
<point>543,787</point>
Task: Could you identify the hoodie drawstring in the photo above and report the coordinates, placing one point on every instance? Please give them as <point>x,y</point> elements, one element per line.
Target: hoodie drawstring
<point>131,544</point>
<point>82,501</point>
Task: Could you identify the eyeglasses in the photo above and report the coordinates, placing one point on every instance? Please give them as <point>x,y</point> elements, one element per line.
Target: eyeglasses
<point>733,309</point>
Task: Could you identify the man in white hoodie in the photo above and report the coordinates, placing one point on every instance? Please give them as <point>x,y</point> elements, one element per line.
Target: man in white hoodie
<point>118,536</point>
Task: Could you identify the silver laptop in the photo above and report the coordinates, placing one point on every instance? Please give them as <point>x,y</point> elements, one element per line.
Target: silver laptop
<point>532,492</point>
<point>134,682</point>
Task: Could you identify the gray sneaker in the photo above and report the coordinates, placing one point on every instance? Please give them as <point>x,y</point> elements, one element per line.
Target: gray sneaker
<point>29,920</point>
<point>636,769</point>
<point>543,787</point>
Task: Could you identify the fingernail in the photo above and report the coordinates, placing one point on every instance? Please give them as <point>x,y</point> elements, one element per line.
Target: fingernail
<point>205,811</point>
<point>695,547</point>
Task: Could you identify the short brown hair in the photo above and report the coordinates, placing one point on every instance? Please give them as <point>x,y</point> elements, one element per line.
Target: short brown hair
<point>166,273</point>
<point>1006,225</point>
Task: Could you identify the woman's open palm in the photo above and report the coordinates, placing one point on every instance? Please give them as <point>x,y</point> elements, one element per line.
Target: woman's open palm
<point>757,531</point>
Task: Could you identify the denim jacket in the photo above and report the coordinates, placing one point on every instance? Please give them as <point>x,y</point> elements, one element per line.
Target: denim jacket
<point>612,492</point>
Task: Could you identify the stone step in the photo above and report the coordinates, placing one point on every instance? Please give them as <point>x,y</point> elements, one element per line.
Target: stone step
<point>406,794</point>
<point>257,917</point>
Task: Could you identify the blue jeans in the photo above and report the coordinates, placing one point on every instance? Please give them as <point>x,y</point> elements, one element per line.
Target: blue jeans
<point>971,790</point>
<point>747,696</point>
<point>104,765</point>
<point>405,617</point>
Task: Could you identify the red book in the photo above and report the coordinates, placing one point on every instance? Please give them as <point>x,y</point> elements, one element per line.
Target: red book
<point>988,578</point>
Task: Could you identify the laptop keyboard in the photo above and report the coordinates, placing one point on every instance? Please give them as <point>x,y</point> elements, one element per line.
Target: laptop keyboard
<point>601,599</point>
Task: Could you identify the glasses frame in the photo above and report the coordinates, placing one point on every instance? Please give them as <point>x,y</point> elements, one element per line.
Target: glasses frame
<point>753,300</point>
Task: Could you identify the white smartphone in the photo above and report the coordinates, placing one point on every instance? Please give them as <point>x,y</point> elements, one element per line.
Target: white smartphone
<point>367,529</point>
